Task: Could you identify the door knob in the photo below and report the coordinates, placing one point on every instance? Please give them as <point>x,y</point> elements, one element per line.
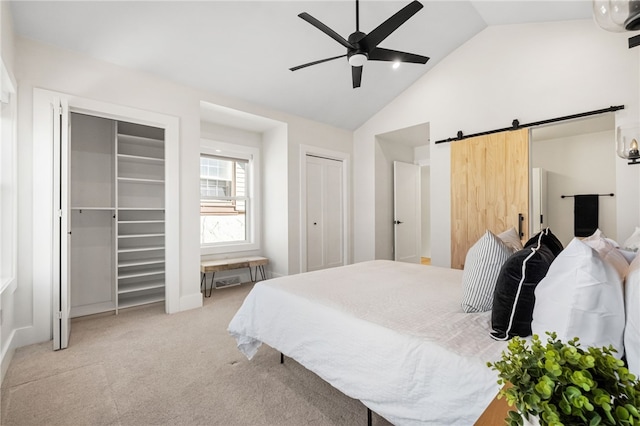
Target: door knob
<point>397,222</point>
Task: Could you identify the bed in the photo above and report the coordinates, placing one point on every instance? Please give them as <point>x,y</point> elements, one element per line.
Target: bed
<point>390,334</point>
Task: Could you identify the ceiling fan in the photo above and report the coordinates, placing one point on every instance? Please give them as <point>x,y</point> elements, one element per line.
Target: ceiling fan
<point>362,47</point>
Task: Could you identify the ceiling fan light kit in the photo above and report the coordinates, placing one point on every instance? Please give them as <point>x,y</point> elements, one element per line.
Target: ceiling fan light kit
<point>362,47</point>
<point>357,59</point>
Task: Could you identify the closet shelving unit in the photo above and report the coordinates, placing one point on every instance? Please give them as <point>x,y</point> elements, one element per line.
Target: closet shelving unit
<point>140,222</point>
<point>116,210</point>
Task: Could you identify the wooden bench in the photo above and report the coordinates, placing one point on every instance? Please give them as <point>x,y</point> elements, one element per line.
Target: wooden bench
<point>213,266</point>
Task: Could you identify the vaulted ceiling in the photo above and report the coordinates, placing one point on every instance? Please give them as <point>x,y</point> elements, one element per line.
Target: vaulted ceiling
<point>244,49</point>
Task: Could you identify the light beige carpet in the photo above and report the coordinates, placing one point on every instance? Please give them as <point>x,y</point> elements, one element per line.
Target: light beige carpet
<point>143,367</point>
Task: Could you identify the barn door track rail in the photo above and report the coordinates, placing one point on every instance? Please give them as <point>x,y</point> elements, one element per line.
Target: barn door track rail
<point>515,124</point>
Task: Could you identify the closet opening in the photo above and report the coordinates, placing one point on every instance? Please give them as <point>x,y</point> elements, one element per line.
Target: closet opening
<point>116,203</point>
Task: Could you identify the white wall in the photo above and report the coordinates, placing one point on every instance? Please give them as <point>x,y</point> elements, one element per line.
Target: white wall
<point>425,208</point>
<point>530,72</point>
<point>580,164</point>
<point>276,230</point>
<point>43,66</point>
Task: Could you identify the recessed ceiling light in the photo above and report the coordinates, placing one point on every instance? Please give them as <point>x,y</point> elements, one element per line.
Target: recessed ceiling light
<point>396,65</point>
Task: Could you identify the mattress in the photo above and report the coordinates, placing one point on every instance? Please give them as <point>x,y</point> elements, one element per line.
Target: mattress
<point>390,334</point>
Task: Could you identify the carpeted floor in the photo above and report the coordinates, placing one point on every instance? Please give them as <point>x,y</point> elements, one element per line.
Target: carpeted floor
<point>143,367</point>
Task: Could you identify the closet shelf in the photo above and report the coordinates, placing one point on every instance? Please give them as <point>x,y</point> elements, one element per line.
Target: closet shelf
<point>93,208</point>
<point>133,288</point>
<point>138,275</point>
<point>139,139</point>
<point>140,262</point>
<point>141,235</point>
<point>126,222</point>
<point>159,209</point>
<point>140,159</point>
<point>140,249</point>
<point>130,302</point>
<point>139,180</point>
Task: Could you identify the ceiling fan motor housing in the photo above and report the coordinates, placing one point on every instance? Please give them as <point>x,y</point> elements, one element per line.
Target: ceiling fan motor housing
<point>354,39</point>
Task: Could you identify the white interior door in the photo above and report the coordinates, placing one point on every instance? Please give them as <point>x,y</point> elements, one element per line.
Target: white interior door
<point>406,211</point>
<point>325,220</point>
<point>62,229</point>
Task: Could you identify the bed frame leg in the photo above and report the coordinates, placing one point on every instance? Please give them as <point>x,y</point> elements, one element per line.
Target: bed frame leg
<point>281,358</point>
<point>368,416</point>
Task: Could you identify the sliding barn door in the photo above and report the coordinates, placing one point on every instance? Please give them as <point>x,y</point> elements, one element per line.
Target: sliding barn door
<point>489,188</point>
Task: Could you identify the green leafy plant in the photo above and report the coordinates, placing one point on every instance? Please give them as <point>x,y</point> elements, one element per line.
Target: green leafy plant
<point>563,384</point>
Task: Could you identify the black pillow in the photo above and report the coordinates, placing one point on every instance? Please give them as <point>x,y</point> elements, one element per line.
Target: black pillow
<point>548,239</point>
<point>514,297</point>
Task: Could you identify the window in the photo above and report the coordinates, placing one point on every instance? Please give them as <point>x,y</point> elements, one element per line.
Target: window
<point>8,181</point>
<point>227,198</point>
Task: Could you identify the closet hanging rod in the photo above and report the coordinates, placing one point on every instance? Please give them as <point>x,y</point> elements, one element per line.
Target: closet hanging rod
<point>599,195</point>
<point>515,124</point>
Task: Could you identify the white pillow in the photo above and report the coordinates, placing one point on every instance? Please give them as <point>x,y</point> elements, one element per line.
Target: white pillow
<point>629,255</point>
<point>632,329</point>
<point>511,238</point>
<point>608,252</point>
<point>633,242</point>
<point>581,296</point>
<point>481,268</point>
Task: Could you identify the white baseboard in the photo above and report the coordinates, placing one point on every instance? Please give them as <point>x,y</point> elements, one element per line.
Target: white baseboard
<point>7,355</point>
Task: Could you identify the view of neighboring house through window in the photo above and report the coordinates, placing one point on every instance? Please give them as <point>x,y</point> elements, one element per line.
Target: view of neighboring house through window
<point>224,200</point>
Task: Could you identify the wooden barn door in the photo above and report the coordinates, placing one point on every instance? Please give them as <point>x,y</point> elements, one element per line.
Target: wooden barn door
<point>489,188</point>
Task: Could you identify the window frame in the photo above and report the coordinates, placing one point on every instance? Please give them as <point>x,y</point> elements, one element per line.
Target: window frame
<point>9,180</point>
<point>251,154</point>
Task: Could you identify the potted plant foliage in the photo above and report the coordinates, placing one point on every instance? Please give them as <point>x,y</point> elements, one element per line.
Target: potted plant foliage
<point>563,384</point>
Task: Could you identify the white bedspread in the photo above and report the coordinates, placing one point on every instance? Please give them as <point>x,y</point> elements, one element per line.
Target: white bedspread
<point>389,334</point>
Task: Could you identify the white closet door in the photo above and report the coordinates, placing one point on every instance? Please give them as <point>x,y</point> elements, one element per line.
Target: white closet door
<point>325,227</point>
<point>315,219</point>
<point>334,230</point>
<point>62,219</point>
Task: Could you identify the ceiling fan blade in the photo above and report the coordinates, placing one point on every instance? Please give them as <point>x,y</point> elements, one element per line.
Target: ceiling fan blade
<point>356,75</point>
<point>383,30</point>
<point>317,62</point>
<point>380,54</point>
<point>328,31</point>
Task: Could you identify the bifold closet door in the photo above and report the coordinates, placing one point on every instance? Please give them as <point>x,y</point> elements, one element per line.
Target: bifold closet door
<point>61,321</point>
<point>489,188</point>
<point>325,227</point>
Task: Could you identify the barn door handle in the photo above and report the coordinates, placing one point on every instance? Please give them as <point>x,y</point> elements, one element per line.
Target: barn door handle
<point>520,220</point>
<point>397,222</point>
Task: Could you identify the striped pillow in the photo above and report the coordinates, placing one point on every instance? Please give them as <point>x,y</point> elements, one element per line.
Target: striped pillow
<point>481,268</point>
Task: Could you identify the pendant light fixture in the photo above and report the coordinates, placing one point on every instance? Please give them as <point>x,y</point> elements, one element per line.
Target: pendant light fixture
<point>617,15</point>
